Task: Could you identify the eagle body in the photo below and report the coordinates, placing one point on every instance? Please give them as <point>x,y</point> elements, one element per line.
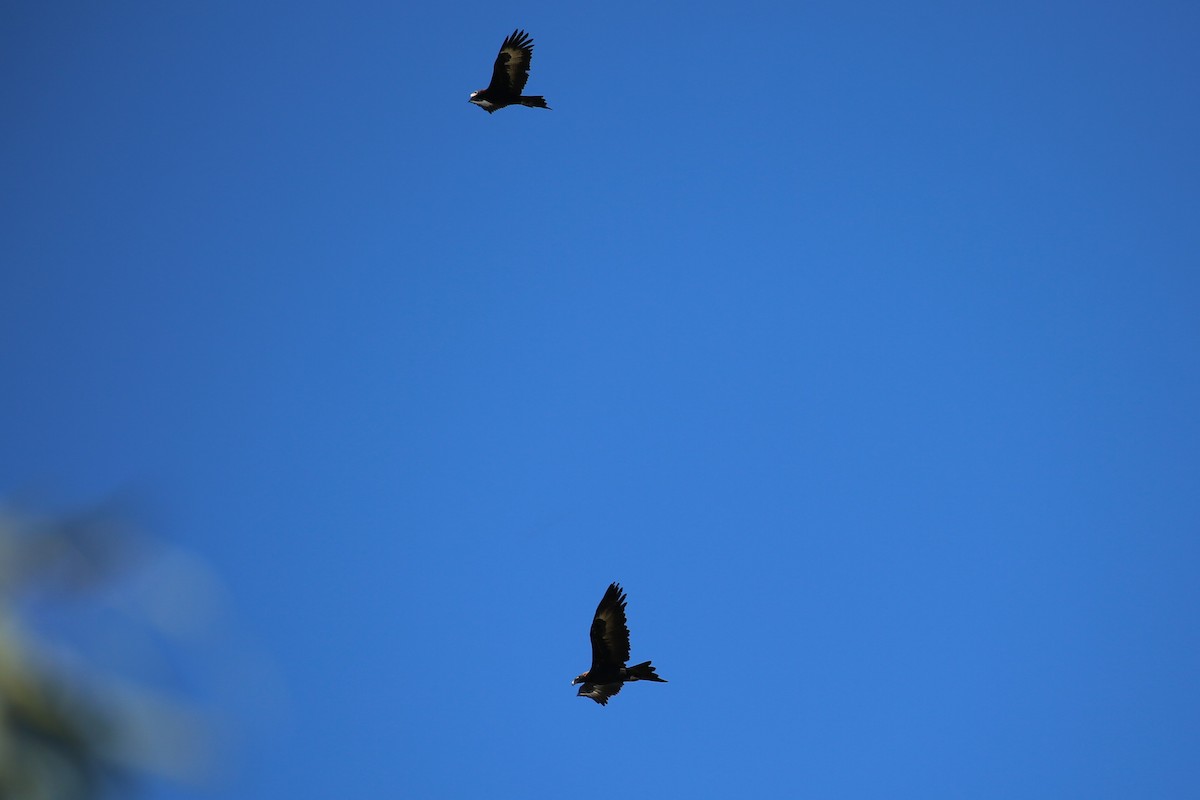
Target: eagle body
<point>509,75</point>
<point>610,651</point>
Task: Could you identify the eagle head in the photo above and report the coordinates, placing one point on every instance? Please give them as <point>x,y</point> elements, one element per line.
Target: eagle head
<point>579,679</point>
<point>482,102</point>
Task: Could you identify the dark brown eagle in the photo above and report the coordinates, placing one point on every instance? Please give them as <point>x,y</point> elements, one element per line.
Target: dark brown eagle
<point>509,75</point>
<point>610,651</point>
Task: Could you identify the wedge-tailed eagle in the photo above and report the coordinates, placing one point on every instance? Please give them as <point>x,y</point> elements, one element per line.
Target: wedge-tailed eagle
<point>610,651</point>
<point>509,76</point>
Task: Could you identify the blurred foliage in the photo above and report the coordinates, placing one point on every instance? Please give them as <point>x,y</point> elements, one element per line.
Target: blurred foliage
<point>68,730</point>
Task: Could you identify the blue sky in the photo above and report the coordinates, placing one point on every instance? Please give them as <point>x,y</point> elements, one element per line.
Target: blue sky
<point>858,341</point>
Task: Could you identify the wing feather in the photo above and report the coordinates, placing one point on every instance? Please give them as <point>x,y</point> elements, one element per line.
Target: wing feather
<point>511,71</point>
<point>610,633</point>
<point>600,692</point>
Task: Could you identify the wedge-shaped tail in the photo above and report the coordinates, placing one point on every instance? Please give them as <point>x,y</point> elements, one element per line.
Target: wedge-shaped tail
<point>642,672</point>
<point>533,101</point>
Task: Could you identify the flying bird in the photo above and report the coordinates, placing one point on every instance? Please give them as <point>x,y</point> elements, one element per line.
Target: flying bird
<point>509,76</point>
<point>610,651</point>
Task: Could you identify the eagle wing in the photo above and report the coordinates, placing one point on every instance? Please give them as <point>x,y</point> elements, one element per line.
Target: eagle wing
<point>511,70</point>
<point>610,633</point>
<point>600,692</point>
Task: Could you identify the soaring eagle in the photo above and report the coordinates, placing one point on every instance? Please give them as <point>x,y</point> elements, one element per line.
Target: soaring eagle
<point>509,76</point>
<point>610,651</point>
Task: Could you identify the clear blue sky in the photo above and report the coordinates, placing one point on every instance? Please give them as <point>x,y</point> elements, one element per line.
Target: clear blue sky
<point>860,341</point>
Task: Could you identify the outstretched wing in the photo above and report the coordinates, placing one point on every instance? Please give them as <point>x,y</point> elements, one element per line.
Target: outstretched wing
<point>610,634</point>
<point>512,64</point>
<point>600,692</point>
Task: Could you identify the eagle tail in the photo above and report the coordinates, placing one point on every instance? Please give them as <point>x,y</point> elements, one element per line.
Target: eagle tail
<point>642,672</point>
<point>534,101</point>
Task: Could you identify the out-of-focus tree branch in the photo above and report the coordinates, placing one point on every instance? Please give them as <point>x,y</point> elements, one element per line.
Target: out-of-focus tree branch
<point>66,735</point>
